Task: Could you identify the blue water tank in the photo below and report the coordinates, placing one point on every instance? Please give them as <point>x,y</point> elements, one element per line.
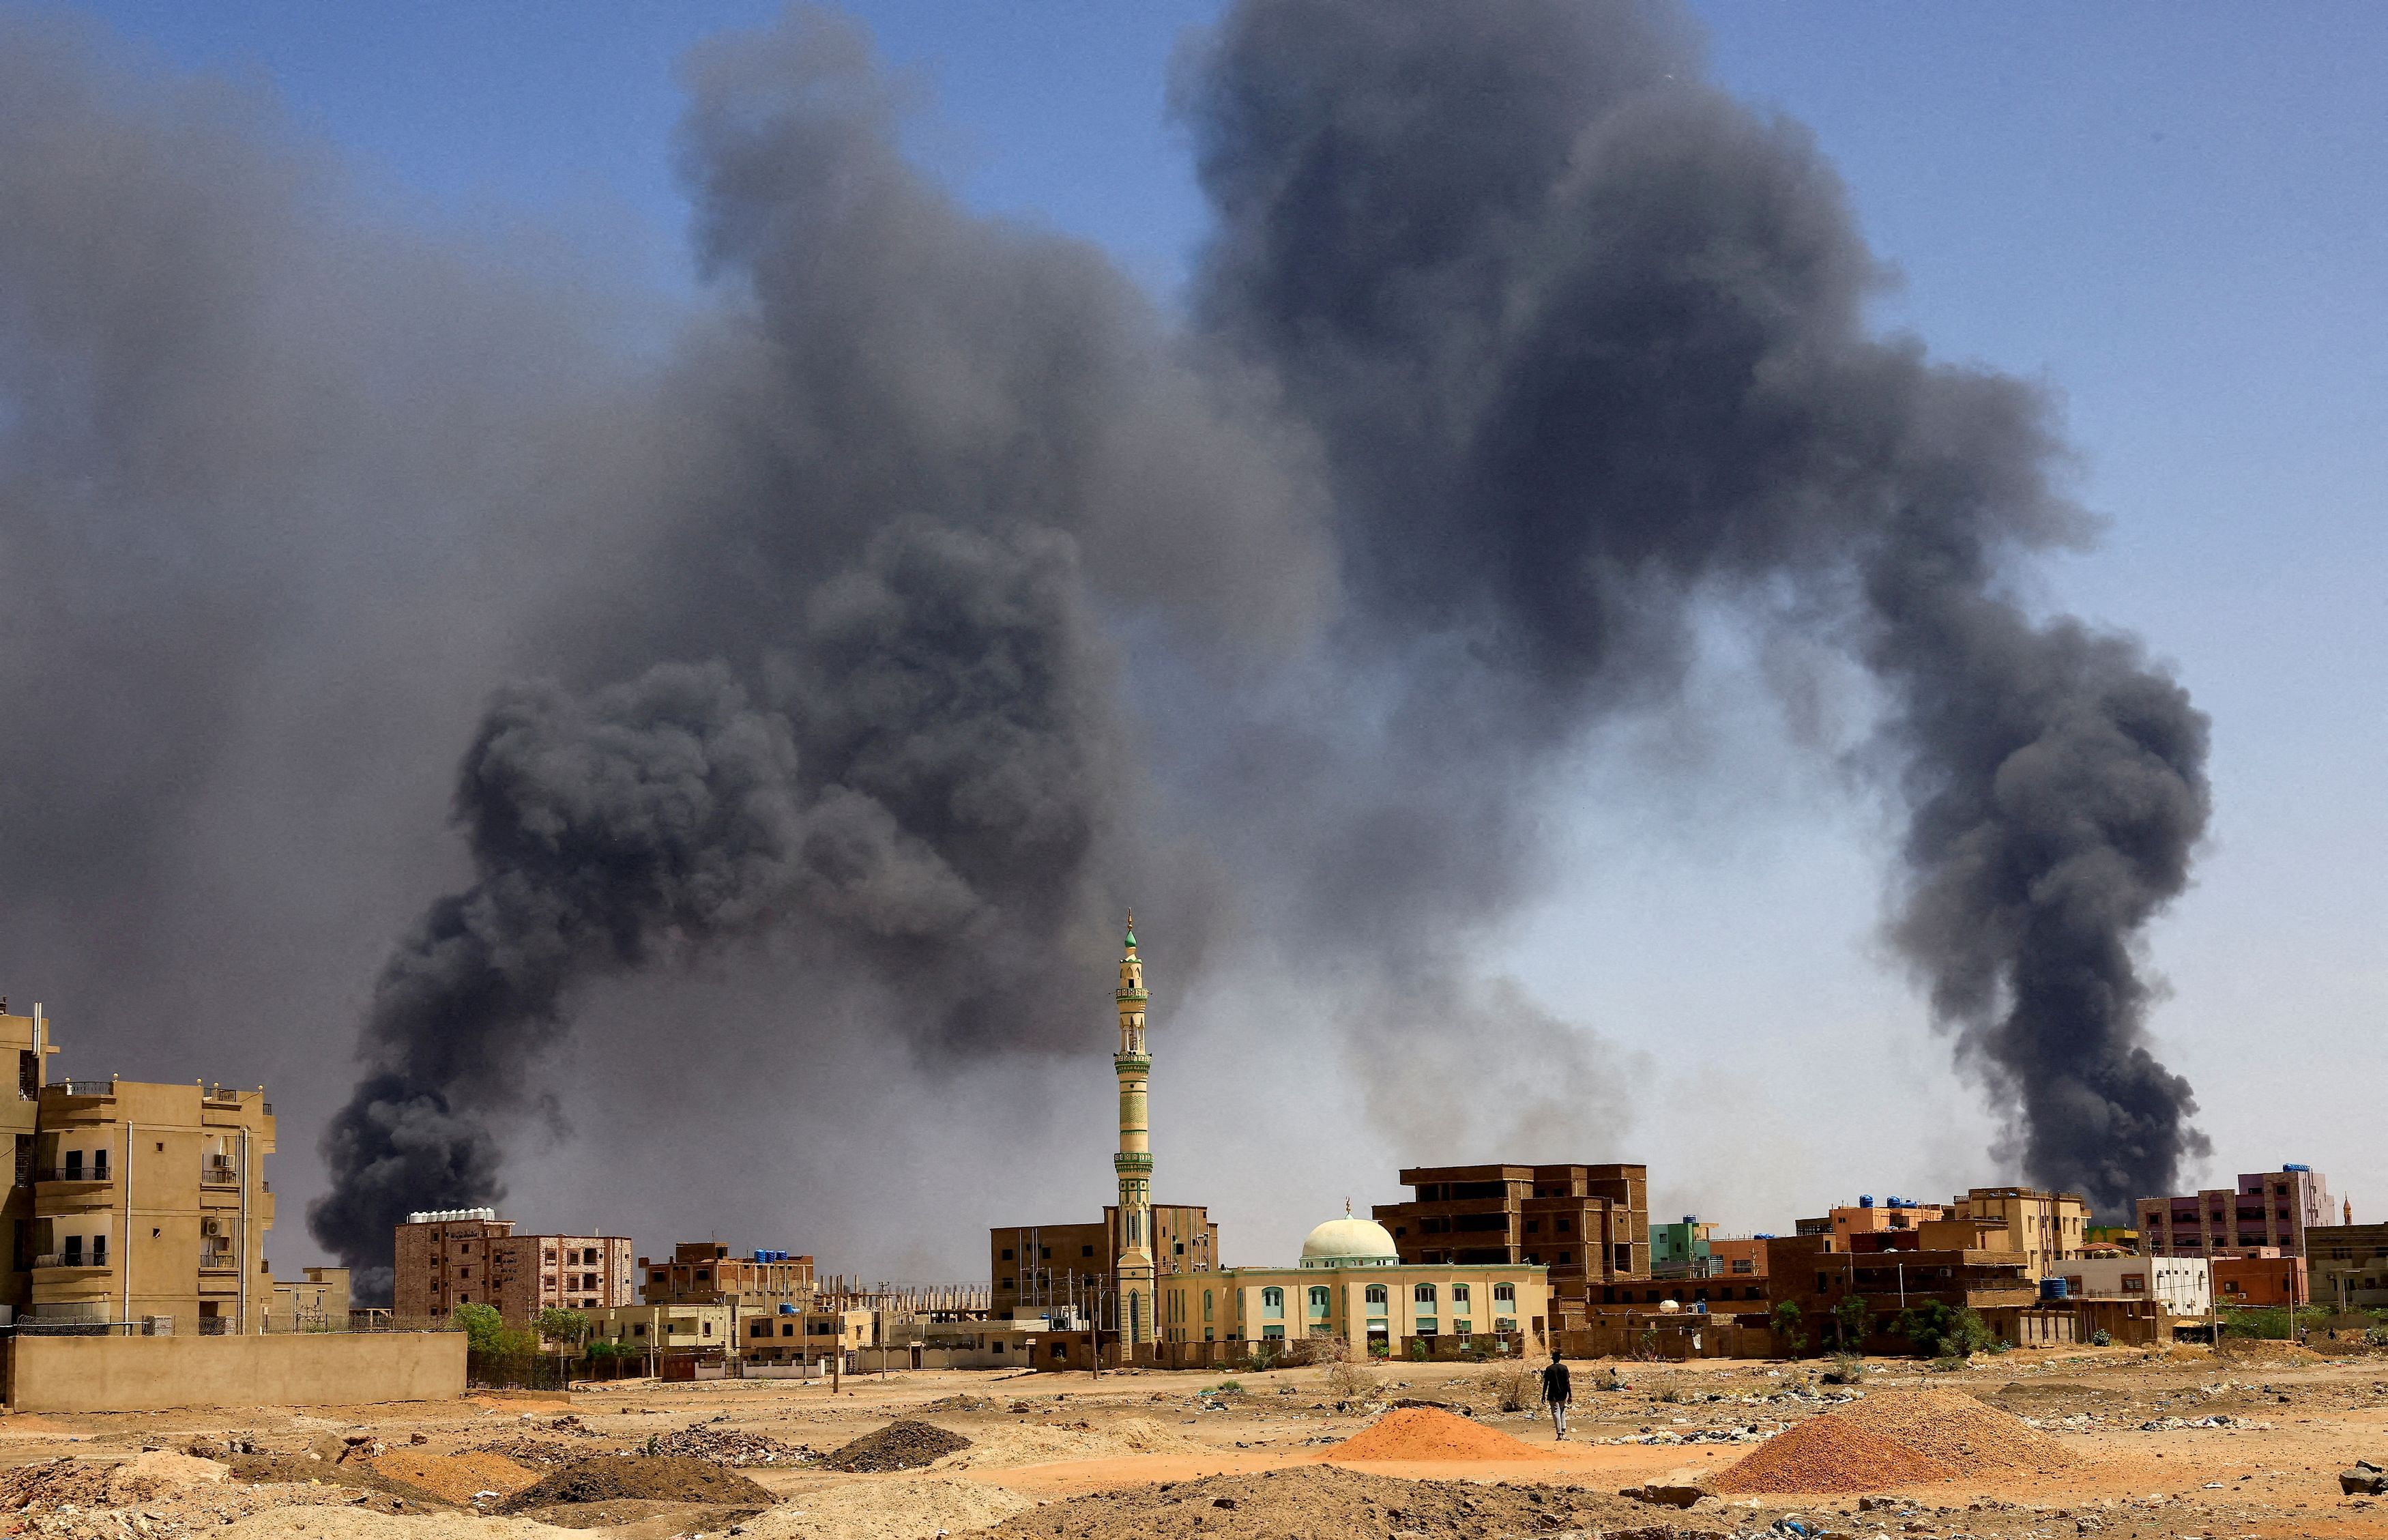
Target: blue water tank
<point>787,1309</point>
<point>2052,1288</point>
<point>2293,1165</point>
<point>1865,1200</point>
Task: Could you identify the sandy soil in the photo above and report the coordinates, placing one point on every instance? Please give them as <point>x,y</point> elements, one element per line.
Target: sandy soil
<point>2187,1443</point>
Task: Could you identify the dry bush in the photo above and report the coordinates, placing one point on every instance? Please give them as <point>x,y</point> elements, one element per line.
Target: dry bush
<point>1513,1386</point>
<point>1344,1380</point>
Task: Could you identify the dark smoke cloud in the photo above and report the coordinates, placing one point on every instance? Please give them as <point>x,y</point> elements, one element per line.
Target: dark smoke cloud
<point>936,597</point>
<point>1584,339</point>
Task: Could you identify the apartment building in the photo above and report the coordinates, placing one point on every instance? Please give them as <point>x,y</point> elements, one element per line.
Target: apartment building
<point>2347,1265</point>
<point>2183,1285</point>
<point>316,1301</point>
<point>1866,1216</point>
<point>1587,1225</point>
<point>24,1036</point>
<point>1043,1267</point>
<point>148,1203</point>
<point>2268,1208</point>
<point>470,1256</point>
<point>2045,1229</point>
<point>703,1272</point>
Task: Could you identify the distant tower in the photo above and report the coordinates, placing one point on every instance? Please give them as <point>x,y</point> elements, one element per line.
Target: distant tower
<point>1134,1162</point>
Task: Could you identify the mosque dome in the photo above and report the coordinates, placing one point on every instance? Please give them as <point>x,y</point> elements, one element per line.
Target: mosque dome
<point>1349,1242</point>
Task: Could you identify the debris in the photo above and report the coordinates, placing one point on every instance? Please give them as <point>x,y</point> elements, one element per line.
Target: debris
<point>905,1443</point>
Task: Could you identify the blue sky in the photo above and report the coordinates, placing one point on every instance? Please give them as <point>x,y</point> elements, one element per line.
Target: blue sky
<point>2174,215</point>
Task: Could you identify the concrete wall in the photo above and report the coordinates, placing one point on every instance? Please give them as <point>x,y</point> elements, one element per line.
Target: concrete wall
<point>98,1374</point>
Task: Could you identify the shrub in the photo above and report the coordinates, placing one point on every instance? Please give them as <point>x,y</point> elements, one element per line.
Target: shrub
<point>1346,1380</point>
<point>1418,1350</point>
<point>1938,1331</point>
<point>1514,1387</point>
<point>1847,1369</point>
<point>482,1326</point>
<point>1789,1341</point>
<point>2101,1338</point>
<point>1226,1387</point>
<point>1848,1324</point>
<point>1379,1347</point>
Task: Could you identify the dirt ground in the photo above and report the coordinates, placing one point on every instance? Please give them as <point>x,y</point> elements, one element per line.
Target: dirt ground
<point>2248,1443</point>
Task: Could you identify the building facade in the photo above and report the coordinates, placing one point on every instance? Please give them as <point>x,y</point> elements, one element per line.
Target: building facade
<point>2183,1285</point>
<point>2347,1265</point>
<point>1350,1283</point>
<point>2268,1208</point>
<point>1866,1216</point>
<point>150,1205</point>
<point>704,1272</point>
<point>2044,1229</point>
<point>2267,1278</point>
<point>1071,1269</point>
<point>470,1256</point>
<point>1584,1225</point>
<point>317,1301</point>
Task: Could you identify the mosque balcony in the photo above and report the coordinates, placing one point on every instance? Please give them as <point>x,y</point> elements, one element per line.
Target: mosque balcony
<point>1132,1061</point>
<point>1133,1160</point>
<point>1136,995</point>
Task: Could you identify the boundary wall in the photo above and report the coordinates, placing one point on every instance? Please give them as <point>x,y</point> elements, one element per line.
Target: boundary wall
<point>112,1374</point>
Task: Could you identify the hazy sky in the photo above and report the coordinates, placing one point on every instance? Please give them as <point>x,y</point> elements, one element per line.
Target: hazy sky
<point>2175,216</point>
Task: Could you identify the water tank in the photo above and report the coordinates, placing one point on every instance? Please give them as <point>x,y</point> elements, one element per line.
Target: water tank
<point>1865,1200</point>
<point>2292,1165</point>
<point>2052,1288</point>
<point>787,1309</point>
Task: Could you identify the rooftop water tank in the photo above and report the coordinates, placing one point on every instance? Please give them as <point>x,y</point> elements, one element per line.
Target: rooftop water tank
<point>2052,1288</point>
<point>2293,1165</point>
<point>1865,1200</point>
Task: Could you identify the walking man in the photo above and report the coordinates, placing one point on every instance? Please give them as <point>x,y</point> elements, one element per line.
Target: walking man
<point>1556,1393</point>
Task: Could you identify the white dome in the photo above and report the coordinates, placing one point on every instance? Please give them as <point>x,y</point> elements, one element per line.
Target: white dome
<point>1349,1242</point>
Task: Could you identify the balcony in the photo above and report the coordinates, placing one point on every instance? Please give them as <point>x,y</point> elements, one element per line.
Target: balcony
<point>82,1087</point>
<point>219,1173</point>
<point>95,1261</point>
<point>214,1259</point>
<point>88,1175</point>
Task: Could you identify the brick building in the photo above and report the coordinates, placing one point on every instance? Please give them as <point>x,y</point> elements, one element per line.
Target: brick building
<point>2268,1208</point>
<point>2045,1229</point>
<point>1037,1267</point>
<point>471,1256</point>
<point>2347,1265</point>
<point>702,1272</point>
<point>1588,1225</point>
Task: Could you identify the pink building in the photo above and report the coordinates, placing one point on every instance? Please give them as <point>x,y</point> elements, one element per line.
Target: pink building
<point>2268,1208</point>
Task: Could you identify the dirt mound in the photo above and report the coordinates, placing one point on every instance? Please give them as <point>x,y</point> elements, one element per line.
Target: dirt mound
<point>960,1404</point>
<point>55,1483</point>
<point>1827,1454</point>
<point>1957,1430</point>
<point>1323,1500</point>
<point>1426,1433</point>
<point>452,1478</point>
<point>663,1478</point>
<point>904,1445</point>
<point>730,1447</point>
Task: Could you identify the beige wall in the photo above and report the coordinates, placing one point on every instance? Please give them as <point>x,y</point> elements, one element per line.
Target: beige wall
<point>2047,1228</point>
<point>88,1374</point>
<point>1239,1308</point>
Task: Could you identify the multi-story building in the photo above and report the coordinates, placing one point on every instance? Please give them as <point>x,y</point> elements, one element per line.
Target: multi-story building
<point>2044,1228</point>
<point>1866,1216</point>
<point>703,1272</point>
<point>1042,1269</point>
<point>1587,1225</point>
<point>1739,1255</point>
<point>26,1037</point>
<point>1954,1262</point>
<point>2347,1265</point>
<point>150,1205</point>
<point>1350,1283</point>
<point>2267,1276</point>
<point>471,1256</point>
<point>2268,1208</point>
<point>1682,1250</point>
<point>2183,1285</point>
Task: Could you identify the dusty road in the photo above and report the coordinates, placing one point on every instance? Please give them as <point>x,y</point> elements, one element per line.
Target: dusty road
<point>2247,1443</point>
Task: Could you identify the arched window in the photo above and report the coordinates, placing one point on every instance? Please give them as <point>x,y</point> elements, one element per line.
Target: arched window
<point>1273,1303</point>
<point>1320,1300</point>
<point>1377,1293</point>
<point>1459,1293</point>
<point>1422,1294</point>
<point>1206,1304</point>
<point>1504,1293</point>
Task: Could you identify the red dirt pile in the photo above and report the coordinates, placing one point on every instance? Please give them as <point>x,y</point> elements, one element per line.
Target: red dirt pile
<point>1891,1439</point>
<point>1426,1433</point>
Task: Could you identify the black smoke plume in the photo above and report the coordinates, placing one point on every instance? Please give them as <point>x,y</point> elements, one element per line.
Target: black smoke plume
<point>934,585</point>
<point>1584,339</point>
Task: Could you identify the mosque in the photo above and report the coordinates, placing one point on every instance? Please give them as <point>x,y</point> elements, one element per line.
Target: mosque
<point>1350,1283</point>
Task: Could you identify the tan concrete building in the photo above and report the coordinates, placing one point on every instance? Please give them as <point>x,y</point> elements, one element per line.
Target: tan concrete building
<point>1586,1225</point>
<point>663,1327</point>
<point>150,1205</point>
<point>1064,1267</point>
<point>1351,1284</point>
<point>317,1302</point>
<point>471,1256</point>
<point>25,1039</point>
<point>2047,1229</point>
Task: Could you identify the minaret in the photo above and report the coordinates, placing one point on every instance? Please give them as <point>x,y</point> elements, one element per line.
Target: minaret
<point>1134,1162</point>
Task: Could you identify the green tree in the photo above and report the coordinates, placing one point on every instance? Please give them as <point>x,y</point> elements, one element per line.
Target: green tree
<point>482,1326</point>
<point>1788,1339</point>
<point>1850,1324</point>
<point>568,1326</point>
<point>1939,1331</point>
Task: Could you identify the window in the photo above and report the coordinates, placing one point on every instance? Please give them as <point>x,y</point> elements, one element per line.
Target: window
<point>1533,1227</point>
<point>1273,1303</point>
<point>1007,1253</point>
<point>1043,1253</point>
<point>2135,1283</point>
<point>1206,1304</point>
<point>1376,1295</point>
<point>1459,1293</point>
<point>1566,1226</point>
<point>74,1165</point>
<point>1320,1301</point>
<point>99,1165</point>
<point>1566,1257</point>
<point>1504,1293</point>
<point>1090,1251</point>
<point>787,1329</point>
<point>1422,1294</point>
